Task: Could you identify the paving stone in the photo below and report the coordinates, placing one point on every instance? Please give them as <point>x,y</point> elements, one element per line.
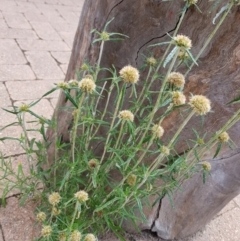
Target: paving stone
<point>30,90</point>
<point>64,68</point>
<point>231,205</point>
<point>223,228</point>
<point>10,53</point>
<point>65,27</point>
<point>54,102</point>
<point>5,117</point>
<point>237,200</point>
<point>62,57</point>
<point>70,17</point>
<point>7,5</point>
<point>25,7</point>
<point>67,2</point>
<point>11,33</point>
<point>45,31</point>
<point>43,45</point>
<point>18,222</point>
<point>16,72</point>
<point>35,16</point>
<point>16,20</point>
<point>1,16</point>
<point>68,37</point>
<point>3,24</point>
<point>52,1</point>
<point>44,66</point>
<point>11,147</point>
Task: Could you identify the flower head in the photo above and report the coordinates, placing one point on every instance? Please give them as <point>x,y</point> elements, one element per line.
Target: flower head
<point>206,166</point>
<point>178,98</point>
<point>84,67</point>
<point>200,104</point>
<point>93,163</point>
<point>165,150</point>
<point>177,79</point>
<point>81,196</point>
<point>55,211</point>
<point>129,74</point>
<point>223,137</point>
<point>105,36</point>
<point>62,237</point>
<point>73,83</point>
<point>126,115</point>
<point>190,2</point>
<point>183,55</point>
<point>151,61</point>
<point>41,216</point>
<point>75,236</point>
<point>157,131</point>
<point>90,237</point>
<point>183,41</point>
<point>24,108</point>
<point>87,85</point>
<point>46,231</point>
<point>54,198</point>
<point>63,85</point>
<point>131,180</point>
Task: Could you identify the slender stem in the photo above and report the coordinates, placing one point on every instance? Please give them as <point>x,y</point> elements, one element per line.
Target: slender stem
<point>74,215</point>
<point>211,36</point>
<point>75,125</point>
<point>112,123</point>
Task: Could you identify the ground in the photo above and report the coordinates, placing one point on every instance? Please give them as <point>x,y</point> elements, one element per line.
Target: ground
<point>36,38</point>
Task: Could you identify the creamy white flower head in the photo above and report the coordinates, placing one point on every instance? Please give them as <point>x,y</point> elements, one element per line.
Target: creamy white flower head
<point>165,150</point>
<point>183,41</point>
<point>87,85</point>
<point>90,237</point>
<point>206,166</point>
<point>46,231</point>
<point>129,74</point>
<point>54,198</point>
<point>200,104</point>
<point>177,79</point>
<point>75,236</point>
<point>223,137</point>
<point>178,98</point>
<point>81,196</point>
<point>157,131</point>
<point>126,115</point>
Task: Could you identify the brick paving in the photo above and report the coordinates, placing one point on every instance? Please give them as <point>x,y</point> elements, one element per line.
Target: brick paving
<point>36,38</point>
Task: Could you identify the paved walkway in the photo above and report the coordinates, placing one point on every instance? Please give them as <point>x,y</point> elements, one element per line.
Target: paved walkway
<point>35,45</point>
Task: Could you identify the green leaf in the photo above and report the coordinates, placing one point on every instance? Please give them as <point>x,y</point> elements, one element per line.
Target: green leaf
<point>12,124</point>
<point>110,202</point>
<point>218,149</point>
<point>70,98</point>
<point>236,100</point>
<point>170,56</point>
<point>12,112</point>
<point>191,56</point>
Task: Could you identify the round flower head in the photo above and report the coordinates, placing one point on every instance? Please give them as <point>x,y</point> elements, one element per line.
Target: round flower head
<point>165,150</point>
<point>63,85</point>
<point>126,115</point>
<point>90,237</point>
<point>178,98</point>
<point>62,237</point>
<point>129,74</point>
<point>84,67</point>
<point>41,216</point>
<point>46,231</point>
<point>75,236</point>
<point>177,79</point>
<point>183,55</point>
<point>92,163</point>
<point>54,198</point>
<point>190,2</point>
<point>131,180</point>
<point>81,196</point>
<point>105,36</point>
<point>151,61</point>
<point>157,131</point>
<point>223,137</point>
<point>183,41</point>
<point>73,83</point>
<point>55,211</point>
<point>206,166</point>
<point>200,104</point>
<point>24,108</point>
<point>87,85</point>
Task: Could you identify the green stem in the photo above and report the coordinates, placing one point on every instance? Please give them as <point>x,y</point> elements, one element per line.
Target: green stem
<point>74,216</point>
<point>75,126</point>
